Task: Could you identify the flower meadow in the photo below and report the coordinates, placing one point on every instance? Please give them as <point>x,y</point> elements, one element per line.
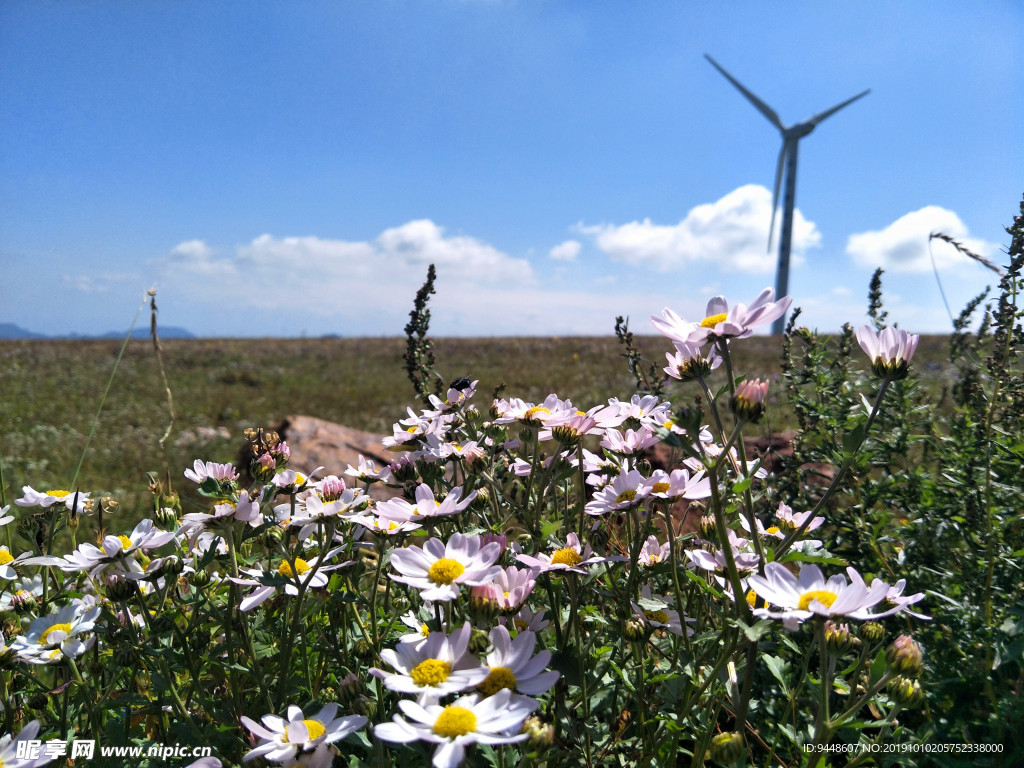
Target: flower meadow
<point>561,584</point>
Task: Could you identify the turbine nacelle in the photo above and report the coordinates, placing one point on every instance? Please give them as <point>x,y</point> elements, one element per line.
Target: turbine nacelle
<point>791,136</point>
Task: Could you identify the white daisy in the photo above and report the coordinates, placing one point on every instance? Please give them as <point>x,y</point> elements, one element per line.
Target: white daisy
<point>439,569</point>
<point>436,667</point>
<point>511,665</point>
<point>72,500</point>
<point>722,322</point>
<point>202,470</point>
<point>572,557</point>
<point>299,740</point>
<point>890,350</point>
<point>809,594</point>
<point>9,750</point>
<point>67,633</point>
<point>468,720</point>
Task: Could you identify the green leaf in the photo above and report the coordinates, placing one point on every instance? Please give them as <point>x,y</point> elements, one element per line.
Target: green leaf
<point>778,668</point>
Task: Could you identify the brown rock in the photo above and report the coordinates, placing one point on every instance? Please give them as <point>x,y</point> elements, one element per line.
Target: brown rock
<point>317,443</point>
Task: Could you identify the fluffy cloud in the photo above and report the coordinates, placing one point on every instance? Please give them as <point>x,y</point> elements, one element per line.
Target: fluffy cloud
<point>567,251</point>
<point>903,245</point>
<point>731,232</point>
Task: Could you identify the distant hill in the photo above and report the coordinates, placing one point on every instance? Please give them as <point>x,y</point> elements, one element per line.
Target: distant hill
<point>12,331</point>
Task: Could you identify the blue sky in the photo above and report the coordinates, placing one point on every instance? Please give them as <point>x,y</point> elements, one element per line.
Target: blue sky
<point>287,168</point>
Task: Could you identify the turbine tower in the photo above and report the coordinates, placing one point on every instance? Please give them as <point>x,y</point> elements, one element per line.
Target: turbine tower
<point>787,158</point>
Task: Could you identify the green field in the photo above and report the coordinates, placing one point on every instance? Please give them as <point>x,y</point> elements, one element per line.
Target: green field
<point>53,388</point>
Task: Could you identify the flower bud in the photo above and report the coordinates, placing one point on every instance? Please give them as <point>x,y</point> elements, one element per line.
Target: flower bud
<point>483,603</point>
<point>905,692</point>
<point>402,470</point>
<point>748,402</point>
<point>539,733</point>
<point>331,488</point>
<point>635,629</point>
<point>839,638</point>
<point>727,748</point>
<point>24,602</point>
<point>872,631</point>
<point>904,656</point>
<point>349,689</point>
<point>200,579</point>
<point>708,529</point>
<point>479,642</point>
<point>167,517</point>
<point>263,467</point>
<point>120,589</point>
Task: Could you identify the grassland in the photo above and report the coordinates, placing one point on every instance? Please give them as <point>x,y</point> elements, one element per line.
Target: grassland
<point>51,391</point>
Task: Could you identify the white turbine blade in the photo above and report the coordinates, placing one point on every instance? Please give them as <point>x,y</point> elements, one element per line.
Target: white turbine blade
<point>763,108</point>
<point>775,196</point>
<point>829,112</point>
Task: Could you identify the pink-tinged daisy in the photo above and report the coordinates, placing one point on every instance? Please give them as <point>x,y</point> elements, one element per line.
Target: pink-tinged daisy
<point>440,665</point>
<point>525,620</point>
<point>643,408</point>
<point>721,322</point>
<point>367,471</point>
<point>468,720</point>
<point>791,520</point>
<point>513,586</point>
<point>440,569</point>
<point>245,510</point>
<point>383,525</point>
<point>678,484</point>
<point>572,557</point>
<point>455,398</point>
<point>652,552</point>
<point>201,470</point>
<point>299,740</point>
<point>74,501</point>
<point>120,549</point>
<point>744,556</point>
<point>65,634</point>
<point>689,363</point>
<point>512,666</point>
<point>552,411</point>
<point>630,443</point>
<point>894,596</point>
<point>890,351</point>
<point>809,594</point>
<point>625,491</point>
<point>13,748</point>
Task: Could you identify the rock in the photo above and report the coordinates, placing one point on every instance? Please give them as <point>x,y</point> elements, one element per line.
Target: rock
<point>318,443</point>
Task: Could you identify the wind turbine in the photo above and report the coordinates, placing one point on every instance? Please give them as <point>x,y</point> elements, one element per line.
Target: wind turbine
<point>787,158</point>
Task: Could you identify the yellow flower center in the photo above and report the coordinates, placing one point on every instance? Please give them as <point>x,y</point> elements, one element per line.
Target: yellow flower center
<point>314,728</point>
<point>532,412</point>
<point>660,488</point>
<point>659,616</point>
<point>5,556</point>
<point>430,672</point>
<point>772,530</point>
<point>285,568</point>
<point>567,556</point>
<point>751,598</point>
<point>58,494</point>
<point>64,629</point>
<point>713,320</point>
<point>500,677</point>
<point>126,543</point>
<point>628,495</point>
<point>455,721</point>
<point>445,571</point>
<point>823,596</point>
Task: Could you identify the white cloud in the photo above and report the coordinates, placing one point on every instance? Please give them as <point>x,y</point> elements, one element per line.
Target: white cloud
<point>567,251</point>
<point>903,245</point>
<point>191,250</point>
<point>732,233</point>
